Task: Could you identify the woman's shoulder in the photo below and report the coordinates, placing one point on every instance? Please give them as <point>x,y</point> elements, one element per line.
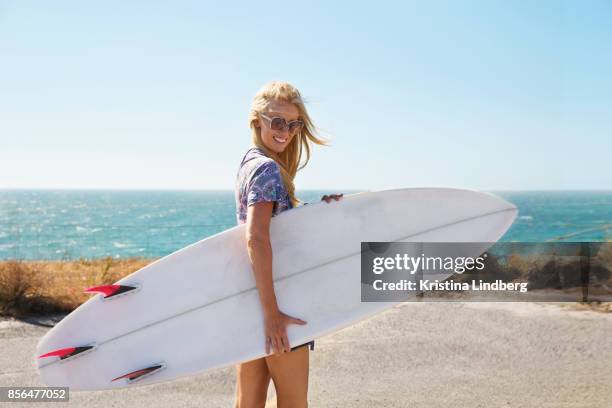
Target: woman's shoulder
<point>265,170</point>
<point>257,162</point>
<point>258,170</point>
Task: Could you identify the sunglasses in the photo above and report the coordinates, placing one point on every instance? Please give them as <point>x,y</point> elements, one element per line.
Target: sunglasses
<point>280,124</point>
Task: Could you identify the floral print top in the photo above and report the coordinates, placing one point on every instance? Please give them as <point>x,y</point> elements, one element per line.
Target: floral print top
<point>259,179</point>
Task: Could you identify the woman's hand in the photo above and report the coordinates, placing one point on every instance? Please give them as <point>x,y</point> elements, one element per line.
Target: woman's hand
<point>328,198</point>
<point>276,331</point>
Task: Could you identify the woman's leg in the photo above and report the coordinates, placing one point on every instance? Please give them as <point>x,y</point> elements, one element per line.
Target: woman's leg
<point>252,380</point>
<point>289,372</point>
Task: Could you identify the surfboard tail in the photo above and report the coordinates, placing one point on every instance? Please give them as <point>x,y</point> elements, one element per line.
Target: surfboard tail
<point>67,352</point>
<point>135,375</point>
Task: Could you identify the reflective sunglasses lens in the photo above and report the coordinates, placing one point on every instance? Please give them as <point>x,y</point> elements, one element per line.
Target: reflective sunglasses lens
<point>295,126</point>
<point>278,124</point>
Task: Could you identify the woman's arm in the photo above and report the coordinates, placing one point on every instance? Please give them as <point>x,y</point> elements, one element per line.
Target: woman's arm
<point>260,254</point>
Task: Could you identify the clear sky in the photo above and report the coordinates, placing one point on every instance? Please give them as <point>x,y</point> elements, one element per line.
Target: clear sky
<point>486,94</point>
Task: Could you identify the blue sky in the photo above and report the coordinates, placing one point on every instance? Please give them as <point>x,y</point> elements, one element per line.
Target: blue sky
<point>488,95</point>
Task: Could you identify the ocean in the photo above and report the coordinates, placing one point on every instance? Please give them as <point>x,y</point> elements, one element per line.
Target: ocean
<point>63,225</point>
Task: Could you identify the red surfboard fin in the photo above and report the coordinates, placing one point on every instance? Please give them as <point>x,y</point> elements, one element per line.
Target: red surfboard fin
<point>110,291</point>
<point>67,352</point>
<point>139,373</point>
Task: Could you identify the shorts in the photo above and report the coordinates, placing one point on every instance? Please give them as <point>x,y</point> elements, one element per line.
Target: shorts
<point>310,344</point>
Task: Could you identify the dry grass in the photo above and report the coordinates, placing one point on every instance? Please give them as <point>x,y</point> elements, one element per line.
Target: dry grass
<point>43,287</point>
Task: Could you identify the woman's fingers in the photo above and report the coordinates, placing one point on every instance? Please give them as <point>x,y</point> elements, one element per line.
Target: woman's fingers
<point>280,344</point>
<point>275,345</point>
<point>295,320</point>
<point>276,333</point>
<point>286,346</point>
<point>328,198</point>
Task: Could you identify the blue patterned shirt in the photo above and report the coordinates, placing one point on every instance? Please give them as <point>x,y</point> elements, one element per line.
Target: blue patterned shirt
<point>259,179</point>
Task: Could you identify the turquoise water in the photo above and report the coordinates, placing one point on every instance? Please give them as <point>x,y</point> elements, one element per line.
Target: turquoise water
<point>46,224</point>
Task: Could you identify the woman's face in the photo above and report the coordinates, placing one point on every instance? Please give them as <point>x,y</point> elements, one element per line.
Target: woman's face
<point>277,140</point>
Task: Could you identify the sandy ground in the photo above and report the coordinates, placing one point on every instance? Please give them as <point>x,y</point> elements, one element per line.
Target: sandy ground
<point>415,355</point>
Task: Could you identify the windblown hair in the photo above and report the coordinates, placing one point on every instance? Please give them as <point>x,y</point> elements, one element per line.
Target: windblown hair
<point>290,159</point>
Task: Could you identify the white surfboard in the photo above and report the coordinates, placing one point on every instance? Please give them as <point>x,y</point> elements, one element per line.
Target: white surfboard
<point>198,308</point>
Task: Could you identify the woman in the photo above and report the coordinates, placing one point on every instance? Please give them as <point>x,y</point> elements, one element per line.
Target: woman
<point>281,131</point>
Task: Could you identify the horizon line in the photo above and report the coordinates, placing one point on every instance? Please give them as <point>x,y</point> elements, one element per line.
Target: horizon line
<point>162,189</point>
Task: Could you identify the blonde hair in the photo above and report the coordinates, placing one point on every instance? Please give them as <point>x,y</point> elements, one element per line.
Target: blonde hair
<point>289,159</point>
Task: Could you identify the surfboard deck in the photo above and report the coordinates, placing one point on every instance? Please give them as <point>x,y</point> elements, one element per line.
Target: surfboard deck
<point>198,308</point>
